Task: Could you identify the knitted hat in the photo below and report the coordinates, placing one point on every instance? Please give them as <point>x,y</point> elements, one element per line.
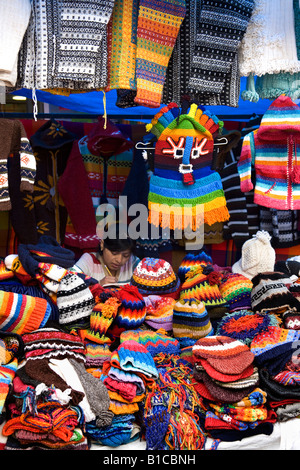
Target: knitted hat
<point>190,321</point>
<point>184,192</point>
<point>258,256</point>
<point>74,299</point>
<point>134,357</point>
<point>20,313</point>
<point>46,343</point>
<point>154,341</point>
<point>132,311</point>
<point>51,135</point>
<point>270,293</point>
<point>159,312</point>
<point>101,318</point>
<point>96,354</point>
<point>193,259</point>
<point>202,283</point>
<point>274,347</point>
<point>226,394</point>
<point>154,276</point>
<point>290,267</point>
<point>106,139</point>
<point>202,364</point>
<point>243,325</point>
<point>236,290</point>
<point>224,354</point>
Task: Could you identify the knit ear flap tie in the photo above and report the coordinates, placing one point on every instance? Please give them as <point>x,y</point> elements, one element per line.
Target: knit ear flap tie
<point>295,174</point>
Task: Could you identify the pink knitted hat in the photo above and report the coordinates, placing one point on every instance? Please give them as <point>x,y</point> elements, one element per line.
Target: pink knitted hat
<point>224,354</point>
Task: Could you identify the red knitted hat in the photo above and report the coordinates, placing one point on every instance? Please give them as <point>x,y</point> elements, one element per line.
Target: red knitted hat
<point>216,375</point>
<point>225,354</point>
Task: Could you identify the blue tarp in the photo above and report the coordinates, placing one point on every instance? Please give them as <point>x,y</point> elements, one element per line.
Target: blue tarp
<point>92,103</point>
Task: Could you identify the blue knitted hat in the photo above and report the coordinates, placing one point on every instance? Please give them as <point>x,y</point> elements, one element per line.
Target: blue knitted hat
<point>154,341</point>
<point>134,357</point>
<point>193,259</point>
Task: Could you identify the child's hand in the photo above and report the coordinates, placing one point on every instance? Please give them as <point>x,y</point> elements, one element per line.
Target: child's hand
<point>108,280</point>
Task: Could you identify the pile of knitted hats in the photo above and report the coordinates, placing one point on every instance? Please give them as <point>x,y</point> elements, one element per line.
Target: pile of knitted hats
<point>54,394</point>
<point>130,368</point>
<point>226,377</point>
<point>276,352</point>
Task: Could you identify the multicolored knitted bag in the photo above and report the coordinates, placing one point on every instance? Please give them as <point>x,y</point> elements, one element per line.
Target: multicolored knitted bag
<point>184,192</point>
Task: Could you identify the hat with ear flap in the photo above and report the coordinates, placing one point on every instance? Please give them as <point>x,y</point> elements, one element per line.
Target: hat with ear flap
<point>258,256</point>
<point>184,192</point>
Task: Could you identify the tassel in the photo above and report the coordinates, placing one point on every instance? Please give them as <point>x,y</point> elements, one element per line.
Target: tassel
<point>295,175</point>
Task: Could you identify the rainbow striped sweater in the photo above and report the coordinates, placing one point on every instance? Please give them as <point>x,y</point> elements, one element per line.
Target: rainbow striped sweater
<point>271,151</point>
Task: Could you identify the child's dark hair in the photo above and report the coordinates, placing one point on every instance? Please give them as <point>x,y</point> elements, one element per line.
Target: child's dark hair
<point>118,243</point>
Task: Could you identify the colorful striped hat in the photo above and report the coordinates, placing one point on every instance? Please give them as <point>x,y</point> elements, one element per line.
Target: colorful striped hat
<point>134,357</point>
<point>74,299</point>
<point>184,192</point>
<point>21,313</point>
<point>226,355</point>
<point>159,312</point>
<point>155,342</point>
<point>101,318</point>
<point>190,322</point>
<point>132,311</point>
<point>155,276</point>
<point>192,259</point>
<point>202,283</point>
<point>236,290</point>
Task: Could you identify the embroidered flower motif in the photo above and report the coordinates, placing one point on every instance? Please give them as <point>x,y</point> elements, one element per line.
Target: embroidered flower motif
<point>56,129</point>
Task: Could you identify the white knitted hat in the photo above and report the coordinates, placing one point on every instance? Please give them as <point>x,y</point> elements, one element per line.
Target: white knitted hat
<point>258,256</point>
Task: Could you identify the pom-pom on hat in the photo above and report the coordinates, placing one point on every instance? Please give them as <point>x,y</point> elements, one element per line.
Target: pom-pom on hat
<point>258,256</point>
<point>190,321</point>
<point>132,311</point>
<point>224,354</point>
<point>270,293</point>
<point>154,276</point>
<point>202,283</point>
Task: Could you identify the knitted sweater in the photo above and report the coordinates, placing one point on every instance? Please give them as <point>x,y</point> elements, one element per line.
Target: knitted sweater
<point>272,149</point>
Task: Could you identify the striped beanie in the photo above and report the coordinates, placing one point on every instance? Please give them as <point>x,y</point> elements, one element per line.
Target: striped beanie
<point>236,291</point>
<point>131,356</point>
<point>154,276</point>
<point>155,342</point>
<point>274,347</point>
<point>190,322</point>
<point>270,292</point>
<point>184,191</point>
<point>202,283</point>
<point>21,313</point>
<point>101,318</point>
<point>224,354</point>
<point>192,259</point>
<point>159,312</point>
<point>47,343</point>
<point>74,299</point>
<point>132,311</point>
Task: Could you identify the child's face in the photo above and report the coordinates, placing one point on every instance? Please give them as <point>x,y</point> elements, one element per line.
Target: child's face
<point>115,260</point>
